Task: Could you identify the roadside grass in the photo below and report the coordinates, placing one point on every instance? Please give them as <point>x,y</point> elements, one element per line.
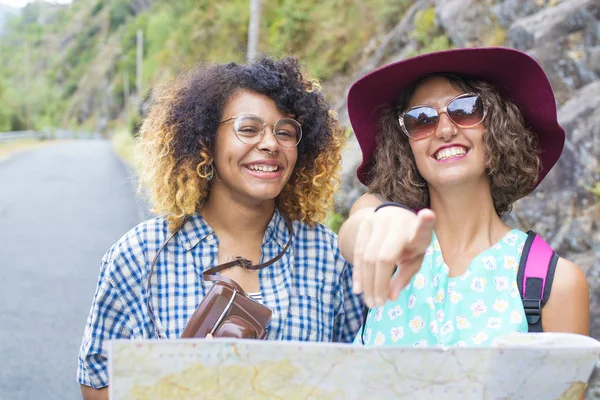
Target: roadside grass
<point>335,220</point>
<point>8,149</point>
<point>123,145</point>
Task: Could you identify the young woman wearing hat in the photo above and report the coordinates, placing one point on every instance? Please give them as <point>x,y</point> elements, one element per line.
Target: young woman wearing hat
<point>458,135</point>
<point>230,152</point>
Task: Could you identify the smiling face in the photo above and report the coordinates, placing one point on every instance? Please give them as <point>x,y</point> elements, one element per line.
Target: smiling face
<point>251,173</point>
<point>451,155</point>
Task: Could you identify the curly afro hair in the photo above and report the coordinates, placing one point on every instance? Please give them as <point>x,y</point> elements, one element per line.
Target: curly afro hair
<point>176,142</point>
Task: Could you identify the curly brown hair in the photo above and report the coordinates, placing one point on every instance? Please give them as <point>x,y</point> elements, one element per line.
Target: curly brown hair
<point>512,163</point>
<point>176,143</point>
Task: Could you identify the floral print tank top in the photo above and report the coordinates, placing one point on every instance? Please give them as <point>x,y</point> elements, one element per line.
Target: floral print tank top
<point>471,309</point>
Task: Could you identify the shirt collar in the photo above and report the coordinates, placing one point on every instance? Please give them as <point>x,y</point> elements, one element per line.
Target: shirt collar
<point>277,229</point>
<point>196,230</point>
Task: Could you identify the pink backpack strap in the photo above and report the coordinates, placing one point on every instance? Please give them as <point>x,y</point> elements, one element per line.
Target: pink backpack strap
<point>534,279</point>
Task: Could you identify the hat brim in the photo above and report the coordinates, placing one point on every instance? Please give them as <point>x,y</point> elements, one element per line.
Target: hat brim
<point>516,76</point>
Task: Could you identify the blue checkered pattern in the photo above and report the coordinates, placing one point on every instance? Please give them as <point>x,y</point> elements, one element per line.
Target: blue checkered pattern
<point>308,289</point>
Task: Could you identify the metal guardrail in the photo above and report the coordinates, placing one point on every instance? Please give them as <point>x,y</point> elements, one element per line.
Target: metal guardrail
<point>47,135</point>
<point>10,136</point>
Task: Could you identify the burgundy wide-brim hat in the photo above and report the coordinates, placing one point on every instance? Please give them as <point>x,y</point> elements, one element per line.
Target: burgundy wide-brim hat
<point>516,76</point>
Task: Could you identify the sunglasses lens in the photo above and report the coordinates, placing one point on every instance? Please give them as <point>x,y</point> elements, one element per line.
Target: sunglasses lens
<point>466,111</point>
<point>420,122</point>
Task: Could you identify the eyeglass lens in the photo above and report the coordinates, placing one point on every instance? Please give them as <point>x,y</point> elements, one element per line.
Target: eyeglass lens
<point>249,129</point>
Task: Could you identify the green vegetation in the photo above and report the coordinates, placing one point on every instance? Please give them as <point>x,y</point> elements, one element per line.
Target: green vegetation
<point>595,190</point>
<point>5,115</point>
<point>13,147</point>
<point>335,220</point>
<point>425,25</point>
<point>428,34</point>
<point>123,144</point>
<point>497,35</point>
<point>66,66</point>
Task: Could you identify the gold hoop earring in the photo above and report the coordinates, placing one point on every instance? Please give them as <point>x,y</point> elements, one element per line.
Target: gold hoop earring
<point>207,172</point>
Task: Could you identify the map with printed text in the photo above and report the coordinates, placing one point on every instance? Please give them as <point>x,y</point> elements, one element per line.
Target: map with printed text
<point>527,366</point>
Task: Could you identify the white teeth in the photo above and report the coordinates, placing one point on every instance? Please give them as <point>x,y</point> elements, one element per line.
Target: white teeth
<point>450,152</point>
<point>263,168</point>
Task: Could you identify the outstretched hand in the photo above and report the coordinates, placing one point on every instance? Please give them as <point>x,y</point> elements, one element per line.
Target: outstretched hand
<point>388,239</point>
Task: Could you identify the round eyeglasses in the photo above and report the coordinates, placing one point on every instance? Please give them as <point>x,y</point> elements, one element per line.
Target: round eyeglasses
<point>465,110</point>
<point>249,129</point>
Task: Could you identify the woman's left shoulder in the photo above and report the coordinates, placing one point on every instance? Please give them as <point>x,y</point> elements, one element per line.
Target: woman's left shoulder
<point>568,278</point>
<point>568,308</point>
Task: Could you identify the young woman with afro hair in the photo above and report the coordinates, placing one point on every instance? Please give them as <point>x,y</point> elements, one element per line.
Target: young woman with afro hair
<point>228,153</point>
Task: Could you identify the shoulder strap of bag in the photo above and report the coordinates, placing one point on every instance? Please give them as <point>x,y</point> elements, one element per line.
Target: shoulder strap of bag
<point>208,275</point>
<point>534,278</point>
<point>157,330</point>
<point>364,322</point>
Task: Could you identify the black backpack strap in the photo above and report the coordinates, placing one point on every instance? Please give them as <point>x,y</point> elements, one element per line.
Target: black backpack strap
<point>364,322</point>
<point>366,309</point>
<point>534,278</point>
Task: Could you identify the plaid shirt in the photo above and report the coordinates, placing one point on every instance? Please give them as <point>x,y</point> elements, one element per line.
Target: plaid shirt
<point>308,289</point>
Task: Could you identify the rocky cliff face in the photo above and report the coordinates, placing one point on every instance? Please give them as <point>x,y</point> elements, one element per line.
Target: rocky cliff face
<point>564,37</point>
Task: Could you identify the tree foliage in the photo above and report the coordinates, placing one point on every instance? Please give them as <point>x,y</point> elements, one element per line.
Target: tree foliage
<point>68,65</point>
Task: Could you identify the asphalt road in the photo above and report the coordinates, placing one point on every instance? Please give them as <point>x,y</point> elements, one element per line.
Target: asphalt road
<point>61,207</point>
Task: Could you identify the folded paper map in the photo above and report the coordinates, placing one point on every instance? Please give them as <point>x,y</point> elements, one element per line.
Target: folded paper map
<point>525,366</point>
